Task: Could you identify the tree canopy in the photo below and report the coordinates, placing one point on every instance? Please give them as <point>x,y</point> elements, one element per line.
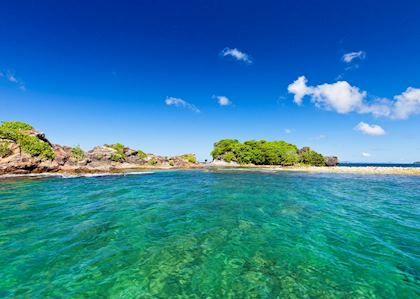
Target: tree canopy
<point>262,152</point>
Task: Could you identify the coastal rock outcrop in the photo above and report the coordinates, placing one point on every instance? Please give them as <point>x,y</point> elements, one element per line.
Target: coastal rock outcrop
<point>24,150</point>
<point>331,161</point>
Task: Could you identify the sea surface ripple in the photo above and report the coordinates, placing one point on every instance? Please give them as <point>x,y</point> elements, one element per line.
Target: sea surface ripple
<point>211,234</point>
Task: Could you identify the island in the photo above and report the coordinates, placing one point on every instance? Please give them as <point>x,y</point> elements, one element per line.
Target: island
<point>25,151</point>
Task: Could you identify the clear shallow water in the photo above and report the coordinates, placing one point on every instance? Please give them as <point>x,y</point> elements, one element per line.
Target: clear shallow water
<point>196,234</point>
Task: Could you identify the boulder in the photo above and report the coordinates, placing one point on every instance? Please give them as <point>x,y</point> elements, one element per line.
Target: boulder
<point>101,153</point>
<point>331,160</point>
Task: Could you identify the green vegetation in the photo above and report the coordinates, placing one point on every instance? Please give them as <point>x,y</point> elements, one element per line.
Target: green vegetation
<point>190,158</point>
<point>18,132</point>
<point>311,157</point>
<point>153,162</point>
<point>16,126</point>
<point>119,155</point>
<point>5,151</point>
<point>77,153</point>
<point>141,155</point>
<point>261,152</point>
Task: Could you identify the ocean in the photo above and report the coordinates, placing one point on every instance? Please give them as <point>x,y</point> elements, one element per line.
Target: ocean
<point>211,234</point>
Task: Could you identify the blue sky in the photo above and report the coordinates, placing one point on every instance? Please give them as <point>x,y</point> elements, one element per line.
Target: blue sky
<point>171,77</point>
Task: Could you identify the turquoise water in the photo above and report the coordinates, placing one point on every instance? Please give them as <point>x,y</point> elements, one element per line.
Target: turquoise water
<point>197,234</point>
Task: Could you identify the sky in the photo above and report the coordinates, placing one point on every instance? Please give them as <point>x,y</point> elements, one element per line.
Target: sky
<point>173,77</point>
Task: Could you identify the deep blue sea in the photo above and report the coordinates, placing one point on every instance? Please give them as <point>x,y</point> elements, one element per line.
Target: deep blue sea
<point>211,234</point>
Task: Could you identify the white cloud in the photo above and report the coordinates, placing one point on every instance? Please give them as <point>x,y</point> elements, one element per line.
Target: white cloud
<point>366,155</point>
<point>12,78</point>
<point>237,54</point>
<point>299,89</point>
<point>177,102</point>
<point>339,96</point>
<point>349,57</point>
<point>373,130</point>
<point>9,76</point>
<point>344,98</point>
<point>287,131</point>
<point>407,103</point>
<point>223,100</point>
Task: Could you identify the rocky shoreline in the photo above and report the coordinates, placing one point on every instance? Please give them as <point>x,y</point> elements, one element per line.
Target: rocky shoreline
<point>26,151</point>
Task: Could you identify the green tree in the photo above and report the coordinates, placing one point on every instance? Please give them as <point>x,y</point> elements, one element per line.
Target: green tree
<point>312,158</point>
<point>224,146</point>
<point>229,156</point>
<point>262,152</point>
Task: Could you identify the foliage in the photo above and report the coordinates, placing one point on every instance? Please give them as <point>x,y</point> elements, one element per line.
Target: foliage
<point>189,158</point>
<point>119,155</point>
<point>29,144</point>
<point>15,126</point>
<point>77,153</point>
<point>153,162</point>
<point>229,156</point>
<point>5,151</point>
<point>141,154</point>
<point>223,146</point>
<point>261,152</point>
<point>311,157</point>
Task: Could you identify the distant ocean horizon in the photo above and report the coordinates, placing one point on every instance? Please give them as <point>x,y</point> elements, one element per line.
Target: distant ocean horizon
<point>379,164</point>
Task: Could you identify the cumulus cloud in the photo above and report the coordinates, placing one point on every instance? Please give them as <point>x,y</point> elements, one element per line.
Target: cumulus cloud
<point>373,130</point>
<point>223,100</point>
<point>344,98</point>
<point>407,103</point>
<point>349,57</point>
<point>365,154</point>
<point>339,96</point>
<point>177,102</point>
<point>236,54</point>
<point>287,131</point>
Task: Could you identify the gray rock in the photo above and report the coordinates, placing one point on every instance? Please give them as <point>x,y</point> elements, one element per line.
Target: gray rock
<point>331,160</point>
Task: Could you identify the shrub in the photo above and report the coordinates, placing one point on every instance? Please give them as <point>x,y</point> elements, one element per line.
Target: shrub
<point>77,153</point>
<point>141,155</point>
<point>31,145</point>
<point>119,155</point>
<point>153,162</point>
<point>5,151</point>
<point>116,157</point>
<point>16,126</point>
<point>189,158</point>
